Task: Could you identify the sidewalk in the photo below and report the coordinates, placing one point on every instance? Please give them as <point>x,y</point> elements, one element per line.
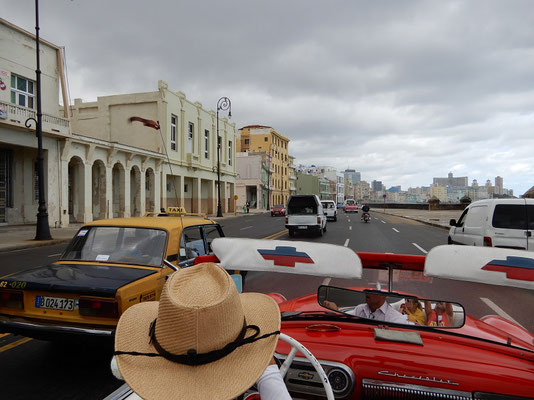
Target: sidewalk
<point>18,237</point>
<point>438,218</point>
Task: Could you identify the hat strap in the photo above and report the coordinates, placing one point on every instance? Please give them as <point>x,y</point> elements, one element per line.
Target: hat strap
<point>194,358</point>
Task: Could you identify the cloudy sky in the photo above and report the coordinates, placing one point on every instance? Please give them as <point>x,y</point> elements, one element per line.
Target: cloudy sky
<point>400,90</point>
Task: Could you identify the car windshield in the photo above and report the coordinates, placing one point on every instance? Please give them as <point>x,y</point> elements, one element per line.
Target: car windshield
<point>279,206</point>
<point>350,202</point>
<point>129,245</point>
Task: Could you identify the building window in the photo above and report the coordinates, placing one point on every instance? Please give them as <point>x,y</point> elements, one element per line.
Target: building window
<point>265,138</point>
<point>174,120</point>
<point>206,143</point>
<point>247,141</point>
<point>185,188</point>
<point>190,137</point>
<point>22,91</point>
<point>229,153</point>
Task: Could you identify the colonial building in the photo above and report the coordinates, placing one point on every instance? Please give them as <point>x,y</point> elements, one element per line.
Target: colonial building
<point>292,176</point>
<point>261,138</point>
<point>129,168</point>
<point>19,189</point>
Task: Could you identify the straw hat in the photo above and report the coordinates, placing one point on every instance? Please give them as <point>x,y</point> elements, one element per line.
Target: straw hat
<point>200,311</point>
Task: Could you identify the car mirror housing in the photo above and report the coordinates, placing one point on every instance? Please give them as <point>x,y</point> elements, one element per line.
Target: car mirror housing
<point>452,222</point>
<point>392,307</point>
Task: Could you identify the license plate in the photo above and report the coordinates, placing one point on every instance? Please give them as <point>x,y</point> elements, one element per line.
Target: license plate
<point>303,227</point>
<point>55,303</point>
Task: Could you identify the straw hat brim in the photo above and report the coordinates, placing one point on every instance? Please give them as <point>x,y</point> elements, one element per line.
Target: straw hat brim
<point>158,378</point>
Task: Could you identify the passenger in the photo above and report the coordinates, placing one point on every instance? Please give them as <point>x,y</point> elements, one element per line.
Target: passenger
<point>375,307</point>
<point>414,310</point>
<point>202,340</point>
<point>441,315</point>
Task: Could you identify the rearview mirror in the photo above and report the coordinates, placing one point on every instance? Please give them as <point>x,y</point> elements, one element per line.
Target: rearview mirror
<point>392,307</point>
<point>452,222</point>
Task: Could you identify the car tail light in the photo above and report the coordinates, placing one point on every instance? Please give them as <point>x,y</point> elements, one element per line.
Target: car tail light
<point>287,220</point>
<point>98,308</point>
<point>12,299</point>
<point>318,220</point>
<point>487,241</point>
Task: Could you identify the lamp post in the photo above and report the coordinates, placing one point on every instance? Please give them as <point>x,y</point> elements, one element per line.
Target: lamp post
<point>223,104</point>
<point>42,228</point>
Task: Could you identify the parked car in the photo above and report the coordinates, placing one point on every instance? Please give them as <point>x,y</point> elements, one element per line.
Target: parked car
<point>495,223</point>
<point>279,209</point>
<point>108,266</point>
<point>330,210</point>
<point>305,214</point>
<point>350,205</point>
<point>361,357</point>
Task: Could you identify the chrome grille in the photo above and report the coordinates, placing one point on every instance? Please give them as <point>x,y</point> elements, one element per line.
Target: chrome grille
<point>381,390</point>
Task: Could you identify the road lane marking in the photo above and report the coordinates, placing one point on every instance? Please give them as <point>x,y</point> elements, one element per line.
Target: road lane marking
<point>376,218</point>
<point>349,219</point>
<point>499,310</point>
<point>278,235</point>
<point>350,228</point>
<point>395,230</point>
<point>4,334</point>
<point>420,248</point>
<point>383,221</point>
<point>55,255</point>
<point>326,281</point>
<point>346,242</point>
<point>246,227</point>
<point>14,344</point>
<point>275,234</point>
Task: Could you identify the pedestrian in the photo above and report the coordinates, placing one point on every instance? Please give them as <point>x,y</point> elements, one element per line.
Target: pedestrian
<point>202,340</point>
<point>245,208</point>
<point>248,207</point>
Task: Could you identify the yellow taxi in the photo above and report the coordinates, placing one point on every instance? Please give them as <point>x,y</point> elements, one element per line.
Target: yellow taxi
<point>108,266</point>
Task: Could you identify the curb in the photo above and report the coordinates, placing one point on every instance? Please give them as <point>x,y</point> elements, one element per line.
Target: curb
<point>22,246</point>
<point>417,219</point>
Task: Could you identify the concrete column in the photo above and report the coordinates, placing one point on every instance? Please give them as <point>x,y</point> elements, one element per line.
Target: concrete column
<point>224,201</point>
<point>161,175</point>
<point>157,190</point>
<point>142,192</point>
<point>87,202</point>
<point>197,195</point>
<point>180,182</point>
<point>107,210</point>
<point>212,198</point>
<point>127,193</point>
<point>231,201</point>
<point>64,188</point>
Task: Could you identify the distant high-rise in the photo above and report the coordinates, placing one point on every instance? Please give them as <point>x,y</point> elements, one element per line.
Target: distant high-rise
<point>451,181</point>
<point>377,186</point>
<point>498,185</point>
<point>353,176</point>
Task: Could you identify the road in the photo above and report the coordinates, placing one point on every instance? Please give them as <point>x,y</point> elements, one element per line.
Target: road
<point>45,370</point>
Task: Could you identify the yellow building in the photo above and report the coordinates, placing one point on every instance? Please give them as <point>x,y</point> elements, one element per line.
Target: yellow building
<point>264,138</point>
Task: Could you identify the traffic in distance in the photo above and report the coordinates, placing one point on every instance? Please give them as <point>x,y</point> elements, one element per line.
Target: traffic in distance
<point>330,278</point>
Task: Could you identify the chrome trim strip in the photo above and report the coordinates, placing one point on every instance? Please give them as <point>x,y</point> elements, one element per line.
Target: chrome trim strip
<point>6,323</point>
<point>397,387</point>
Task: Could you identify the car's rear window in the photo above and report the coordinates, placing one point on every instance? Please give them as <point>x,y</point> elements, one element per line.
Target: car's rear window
<point>302,205</point>
<point>507,216</point>
<point>129,245</point>
<point>327,204</point>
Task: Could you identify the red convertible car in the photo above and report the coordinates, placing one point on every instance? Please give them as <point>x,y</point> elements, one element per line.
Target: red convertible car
<point>335,344</point>
<point>350,206</point>
<point>279,209</point>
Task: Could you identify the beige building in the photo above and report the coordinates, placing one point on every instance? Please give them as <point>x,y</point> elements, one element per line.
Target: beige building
<point>128,170</point>
<point>260,138</point>
<point>439,192</point>
<point>19,190</point>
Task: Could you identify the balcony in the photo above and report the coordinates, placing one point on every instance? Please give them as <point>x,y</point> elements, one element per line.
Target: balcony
<point>17,116</point>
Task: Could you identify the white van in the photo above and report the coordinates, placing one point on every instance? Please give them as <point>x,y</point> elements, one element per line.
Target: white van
<point>330,209</point>
<point>305,213</point>
<point>504,223</point>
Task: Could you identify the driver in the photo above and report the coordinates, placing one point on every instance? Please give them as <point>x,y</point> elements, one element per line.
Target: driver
<point>375,307</point>
<point>202,340</point>
<point>365,210</point>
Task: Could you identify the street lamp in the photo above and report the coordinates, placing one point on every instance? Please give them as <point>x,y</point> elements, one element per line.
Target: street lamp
<point>43,229</point>
<point>223,104</point>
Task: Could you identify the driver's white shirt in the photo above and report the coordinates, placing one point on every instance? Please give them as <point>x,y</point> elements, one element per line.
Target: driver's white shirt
<point>384,313</point>
<point>271,386</point>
